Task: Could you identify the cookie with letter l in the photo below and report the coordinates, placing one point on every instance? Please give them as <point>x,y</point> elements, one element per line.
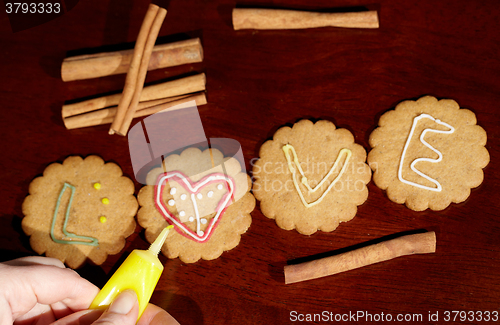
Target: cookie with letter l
<point>80,209</point>
<point>428,153</point>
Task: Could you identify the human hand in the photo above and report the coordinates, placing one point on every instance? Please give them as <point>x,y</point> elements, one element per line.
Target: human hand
<point>40,290</point>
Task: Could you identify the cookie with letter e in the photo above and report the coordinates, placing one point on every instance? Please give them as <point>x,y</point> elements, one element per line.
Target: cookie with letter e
<point>311,177</point>
<point>428,153</point>
<point>205,196</point>
<point>80,209</point>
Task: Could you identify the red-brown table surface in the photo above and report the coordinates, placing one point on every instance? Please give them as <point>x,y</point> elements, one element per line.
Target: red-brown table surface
<point>258,81</point>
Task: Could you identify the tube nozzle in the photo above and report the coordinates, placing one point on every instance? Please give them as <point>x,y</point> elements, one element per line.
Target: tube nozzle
<point>158,243</point>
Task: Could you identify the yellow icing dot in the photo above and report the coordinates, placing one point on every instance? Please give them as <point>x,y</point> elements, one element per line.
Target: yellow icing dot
<point>97,186</point>
<point>103,219</point>
<point>105,200</point>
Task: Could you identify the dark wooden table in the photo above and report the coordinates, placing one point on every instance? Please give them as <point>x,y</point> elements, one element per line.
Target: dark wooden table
<point>258,81</point>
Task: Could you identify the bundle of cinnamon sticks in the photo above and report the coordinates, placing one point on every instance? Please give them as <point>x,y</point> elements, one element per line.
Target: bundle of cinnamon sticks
<point>135,100</point>
<point>155,98</point>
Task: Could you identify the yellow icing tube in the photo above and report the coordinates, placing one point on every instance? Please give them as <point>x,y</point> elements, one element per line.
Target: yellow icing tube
<point>140,272</point>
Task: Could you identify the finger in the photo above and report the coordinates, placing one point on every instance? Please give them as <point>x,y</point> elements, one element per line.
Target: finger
<point>42,313</point>
<point>44,318</point>
<point>5,316</point>
<point>45,284</point>
<point>59,309</point>
<point>83,317</point>
<point>52,284</point>
<point>35,260</point>
<point>154,315</point>
<point>123,311</point>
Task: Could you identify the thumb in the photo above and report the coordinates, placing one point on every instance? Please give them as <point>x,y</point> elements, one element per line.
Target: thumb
<point>123,311</point>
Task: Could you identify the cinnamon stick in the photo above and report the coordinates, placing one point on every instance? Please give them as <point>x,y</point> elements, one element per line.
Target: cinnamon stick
<point>131,79</point>
<point>292,19</point>
<point>111,63</point>
<point>406,245</point>
<point>163,90</point>
<point>143,70</point>
<point>106,116</point>
<point>87,119</point>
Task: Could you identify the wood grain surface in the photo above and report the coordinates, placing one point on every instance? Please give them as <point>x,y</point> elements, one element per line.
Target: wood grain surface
<point>257,82</point>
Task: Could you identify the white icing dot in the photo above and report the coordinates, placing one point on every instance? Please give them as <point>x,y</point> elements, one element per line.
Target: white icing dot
<point>219,187</point>
<point>191,219</point>
<point>200,233</point>
<point>171,202</point>
<point>183,196</point>
<point>182,213</point>
<point>203,221</point>
<point>173,190</point>
<point>199,196</point>
<point>210,194</point>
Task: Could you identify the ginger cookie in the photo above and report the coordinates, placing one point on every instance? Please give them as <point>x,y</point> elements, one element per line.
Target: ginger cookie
<point>82,208</point>
<point>311,177</point>
<point>205,196</point>
<point>428,153</point>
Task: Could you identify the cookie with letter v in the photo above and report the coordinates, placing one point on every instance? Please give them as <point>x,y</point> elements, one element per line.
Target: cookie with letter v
<point>428,153</point>
<point>311,177</point>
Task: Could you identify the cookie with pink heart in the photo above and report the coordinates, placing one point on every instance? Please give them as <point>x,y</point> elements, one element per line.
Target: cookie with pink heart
<point>205,196</point>
<point>311,177</point>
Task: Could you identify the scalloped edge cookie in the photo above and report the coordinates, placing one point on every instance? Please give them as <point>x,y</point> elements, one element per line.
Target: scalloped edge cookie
<point>80,209</point>
<point>428,153</point>
<point>328,187</point>
<point>170,199</point>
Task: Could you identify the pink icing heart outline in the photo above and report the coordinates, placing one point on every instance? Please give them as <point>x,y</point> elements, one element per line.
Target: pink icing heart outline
<point>193,188</point>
